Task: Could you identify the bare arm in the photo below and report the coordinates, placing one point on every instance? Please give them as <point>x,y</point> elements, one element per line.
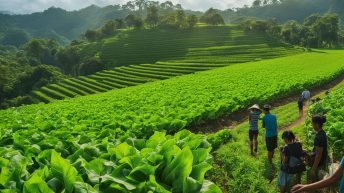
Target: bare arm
<point>321,184</point>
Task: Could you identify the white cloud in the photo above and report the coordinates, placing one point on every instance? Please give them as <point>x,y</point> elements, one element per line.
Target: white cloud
<point>20,6</point>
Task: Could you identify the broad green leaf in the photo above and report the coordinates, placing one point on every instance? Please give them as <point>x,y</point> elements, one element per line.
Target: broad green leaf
<point>200,155</point>
<point>191,185</point>
<point>198,171</point>
<point>96,169</point>
<point>36,185</point>
<point>209,187</point>
<point>64,171</point>
<point>3,162</point>
<point>124,150</point>
<point>81,187</point>
<point>156,139</point>
<point>56,184</point>
<point>155,186</point>
<point>179,169</point>
<point>142,172</point>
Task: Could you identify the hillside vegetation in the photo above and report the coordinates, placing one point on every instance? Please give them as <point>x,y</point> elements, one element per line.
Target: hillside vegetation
<point>161,54</point>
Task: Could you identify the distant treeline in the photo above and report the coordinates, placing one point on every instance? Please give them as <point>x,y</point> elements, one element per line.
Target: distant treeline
<point>316,31</point>
<point>154,19</point>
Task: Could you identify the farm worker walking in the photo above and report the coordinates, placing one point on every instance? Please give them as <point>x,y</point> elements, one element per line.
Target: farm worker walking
<point>270,125</point>
<point>338,175</point>
<point>318,158</point>
<point>253,130</point>
<point>304,98</point>
<point>306,95</point>
<point>292,164</point>
<point>300,104</point>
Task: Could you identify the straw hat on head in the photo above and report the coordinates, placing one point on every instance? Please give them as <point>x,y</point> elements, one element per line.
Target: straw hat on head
<point>254,107</point>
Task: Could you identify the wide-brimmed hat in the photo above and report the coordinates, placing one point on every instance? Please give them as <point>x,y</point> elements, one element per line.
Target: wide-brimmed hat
<point>255,107</point>
<point>267,106</point>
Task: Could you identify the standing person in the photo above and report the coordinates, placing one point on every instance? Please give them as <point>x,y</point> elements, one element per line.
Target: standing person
<point>319,156</point>
<point>292,164</point>
<point>338,175</point>
<point>300,104</point>
<point>306,95</point>
<point>270,125</point>
<point>253,131</point>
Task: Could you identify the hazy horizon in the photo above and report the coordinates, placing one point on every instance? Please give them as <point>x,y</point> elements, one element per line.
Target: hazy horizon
<point>30,6</point>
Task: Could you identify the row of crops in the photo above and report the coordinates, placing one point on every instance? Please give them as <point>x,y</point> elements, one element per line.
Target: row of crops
<point>116,141</point>
<point>333,107</point>
<point>225,47</point>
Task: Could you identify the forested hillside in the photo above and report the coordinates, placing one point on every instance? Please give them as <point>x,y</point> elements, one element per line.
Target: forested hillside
<point>284,10</point>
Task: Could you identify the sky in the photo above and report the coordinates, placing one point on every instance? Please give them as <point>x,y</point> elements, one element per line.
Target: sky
<point>29,6</point>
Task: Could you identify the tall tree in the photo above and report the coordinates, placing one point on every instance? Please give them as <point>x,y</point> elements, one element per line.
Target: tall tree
<point>109,28</point>
<point>192,20</point>
<point>180,18</point>
<point>92,35</point>
<point>212,17</point>
<point>130,20</point>
<point>327,28</point>
<point>152,16</point>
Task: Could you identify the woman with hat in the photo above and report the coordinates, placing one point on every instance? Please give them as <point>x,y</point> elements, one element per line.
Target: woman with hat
<point>253,130</point>
<point>270,125</point>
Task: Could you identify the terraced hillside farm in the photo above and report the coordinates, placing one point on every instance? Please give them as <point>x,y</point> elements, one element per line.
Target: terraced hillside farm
<point>140,56</point>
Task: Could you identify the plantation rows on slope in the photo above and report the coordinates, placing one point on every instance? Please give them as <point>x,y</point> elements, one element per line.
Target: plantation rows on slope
<point>96,136</point>
<point>333,107</point>
<point>173,104</point>
<point>161,54</point>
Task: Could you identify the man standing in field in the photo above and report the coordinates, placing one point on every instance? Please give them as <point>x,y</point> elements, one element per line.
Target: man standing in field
<point>270,125</point>
<point>253,131</point>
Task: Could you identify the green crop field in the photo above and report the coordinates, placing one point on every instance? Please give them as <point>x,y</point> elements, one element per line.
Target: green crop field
<point>116,141</point>
<point>333,107</point>
<point>167,53</point>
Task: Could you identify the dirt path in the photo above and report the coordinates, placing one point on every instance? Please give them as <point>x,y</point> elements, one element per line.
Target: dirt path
<point>236,118</point>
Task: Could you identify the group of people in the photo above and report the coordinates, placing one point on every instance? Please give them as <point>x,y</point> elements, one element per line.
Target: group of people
<point>293,158</point>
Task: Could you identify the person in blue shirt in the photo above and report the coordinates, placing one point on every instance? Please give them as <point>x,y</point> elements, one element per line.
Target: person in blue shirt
<point>338,175</point>
<point>270,125</point>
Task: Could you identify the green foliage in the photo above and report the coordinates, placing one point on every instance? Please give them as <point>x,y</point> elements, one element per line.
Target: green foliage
<point>317,31</point>
<point>142,109</point>
<point>43,50</point>
<point>92,35</point>
<point>133,21</point>
<point>332,106</point>
<point>91,66</point>
<point>68,59</point>
<point>243,170</point>
<point>16,37</point>
<point>192,20</point>
<point>214,48</point>
<point>219,138</point>
<point>212,17</point>
<point>152,18</point>
<point>162,163</point>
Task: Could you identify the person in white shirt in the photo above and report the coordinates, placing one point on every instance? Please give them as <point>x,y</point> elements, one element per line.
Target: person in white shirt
<point>306,95</point>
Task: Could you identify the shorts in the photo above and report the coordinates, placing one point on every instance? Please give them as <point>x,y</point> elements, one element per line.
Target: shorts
<point>300,105</point>
<point>252,133</point>
<point>271,143</point>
